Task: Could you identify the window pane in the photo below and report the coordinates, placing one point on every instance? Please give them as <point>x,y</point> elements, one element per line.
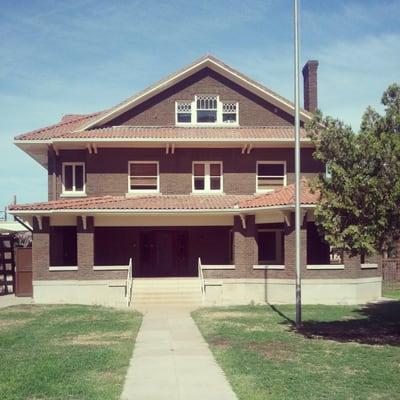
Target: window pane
<point>143,183</point>
<point>199,183</point>
<point>215,183</point>
<point>143,169</point>
<point>271,169</point>
<point>79,178</point>
<point>267,246</point>
<point>184,117</point>
<point>215,169</point>
<point>68,177</point>
<point>206,116</point>
<point>198,169</point>
<point>229,118</point>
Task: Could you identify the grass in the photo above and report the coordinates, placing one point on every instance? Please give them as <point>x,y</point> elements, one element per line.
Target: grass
<point>342,352</point>
<point>65,352</point>
<point>393,291</point>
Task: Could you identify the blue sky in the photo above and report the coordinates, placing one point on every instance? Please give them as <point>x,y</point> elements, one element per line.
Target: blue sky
<point>80,56</point>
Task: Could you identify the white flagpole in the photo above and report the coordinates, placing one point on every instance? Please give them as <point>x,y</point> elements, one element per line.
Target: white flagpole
<point>297,159</point>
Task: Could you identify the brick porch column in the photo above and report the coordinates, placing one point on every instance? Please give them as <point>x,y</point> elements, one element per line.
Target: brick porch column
<point>40,247</point>
<point>85,246</point>
<point>290,244</point>
<point>245,249</point>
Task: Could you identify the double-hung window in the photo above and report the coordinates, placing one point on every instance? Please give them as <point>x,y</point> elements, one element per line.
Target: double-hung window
<point>206,107</point>
<point>73,178</point>
<point>183,112</point>
<point>270,175</point>
<point>207,177</point>
<point>143,176</point>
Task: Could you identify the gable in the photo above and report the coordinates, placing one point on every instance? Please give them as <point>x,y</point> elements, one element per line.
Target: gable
<point>205,62</point>
<point>159,110</point>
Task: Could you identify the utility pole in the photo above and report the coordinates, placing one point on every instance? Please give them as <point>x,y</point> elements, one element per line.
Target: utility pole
<point>297,159</point>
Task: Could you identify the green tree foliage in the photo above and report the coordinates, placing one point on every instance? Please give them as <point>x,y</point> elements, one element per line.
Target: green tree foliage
<point>359,212</point>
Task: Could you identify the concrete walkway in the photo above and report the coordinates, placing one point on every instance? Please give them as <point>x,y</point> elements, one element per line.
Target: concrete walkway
<point>172,361</point>
<point>11,300</point>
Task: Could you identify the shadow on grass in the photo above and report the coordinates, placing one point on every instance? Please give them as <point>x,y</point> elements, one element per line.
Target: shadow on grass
<point>377,324</point>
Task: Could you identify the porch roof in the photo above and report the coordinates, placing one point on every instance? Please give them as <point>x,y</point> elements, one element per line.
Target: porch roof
<point>279,198</point>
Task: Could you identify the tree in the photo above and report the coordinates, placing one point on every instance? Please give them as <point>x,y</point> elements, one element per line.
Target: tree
<point>359,210</point>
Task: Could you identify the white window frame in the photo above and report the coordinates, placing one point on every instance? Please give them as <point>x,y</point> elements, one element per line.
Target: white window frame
<point>274,163</point>
<point>207,179</point>
<point>278,248</point>
<point>141,191</point>
<point>73,192</point>
<point>193,108</point>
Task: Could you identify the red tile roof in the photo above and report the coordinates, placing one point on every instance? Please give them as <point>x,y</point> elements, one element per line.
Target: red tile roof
<point>67,124</point>
<point>279,197</point>
<point>282,197</point>
<point>65,130</point>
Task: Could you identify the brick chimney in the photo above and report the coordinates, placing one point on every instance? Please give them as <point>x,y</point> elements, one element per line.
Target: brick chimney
<point>310,85</point>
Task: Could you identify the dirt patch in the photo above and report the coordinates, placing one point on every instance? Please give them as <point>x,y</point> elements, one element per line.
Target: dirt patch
<point>232,314</point>
<point>94,339</point>
<point>221,343</point>
<point>13,323</point>
<point>276,351</point>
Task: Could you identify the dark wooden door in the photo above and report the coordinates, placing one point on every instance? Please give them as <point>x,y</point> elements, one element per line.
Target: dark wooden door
<point>23,276</point>
<point>163,253</point>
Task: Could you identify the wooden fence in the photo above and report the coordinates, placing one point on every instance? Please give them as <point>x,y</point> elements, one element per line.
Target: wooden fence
<point>391,273</point>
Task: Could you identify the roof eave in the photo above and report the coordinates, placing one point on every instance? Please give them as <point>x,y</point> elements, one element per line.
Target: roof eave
<point>232,211</point>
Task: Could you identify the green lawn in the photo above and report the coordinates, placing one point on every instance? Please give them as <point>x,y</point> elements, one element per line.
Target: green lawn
<point>392,292</point>
<point>342,352</point>
<point>65,352</point>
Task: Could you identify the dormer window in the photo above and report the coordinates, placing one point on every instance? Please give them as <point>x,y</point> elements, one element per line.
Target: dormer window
<point>206,110</point>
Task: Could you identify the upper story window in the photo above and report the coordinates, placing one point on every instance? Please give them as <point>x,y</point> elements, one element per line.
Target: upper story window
<point>206,110</point>
<point>73,178</point>
<point>270,175</point>
<point>143,176</point>
<point>207,177</point>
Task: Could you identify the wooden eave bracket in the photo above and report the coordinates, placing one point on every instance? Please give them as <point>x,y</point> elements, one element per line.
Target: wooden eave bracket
<point>84,222</point>
<point>170,148</point>
<point>243,220</point>
<point>39,219</point>
<point>287,213</point>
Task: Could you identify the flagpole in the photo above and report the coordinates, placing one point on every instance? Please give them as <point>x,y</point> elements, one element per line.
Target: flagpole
<point>297,159</point>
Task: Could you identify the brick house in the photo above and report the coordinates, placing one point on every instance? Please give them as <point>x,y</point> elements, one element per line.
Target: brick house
<point>192,180</point>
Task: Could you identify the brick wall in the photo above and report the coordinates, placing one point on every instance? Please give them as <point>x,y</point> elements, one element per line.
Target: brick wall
<point>107,171</point>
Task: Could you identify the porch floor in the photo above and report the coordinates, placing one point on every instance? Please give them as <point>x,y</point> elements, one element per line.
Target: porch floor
<point>172,361</point>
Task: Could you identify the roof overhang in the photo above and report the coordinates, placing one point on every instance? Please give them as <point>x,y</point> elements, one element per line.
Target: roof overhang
<point>227,211</point>
<point>215,65</point>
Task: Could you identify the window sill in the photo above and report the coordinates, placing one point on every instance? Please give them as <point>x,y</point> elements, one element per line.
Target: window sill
<point>141,193</point>
<point>208,124</point>
<point>207,192</point>
<point>110,268</point>
<point>75,194</point>
<point>369,266</point>
<point>269,266</point>
<point>63,268</point>
<point>325,266</point>
<point>217,267</point>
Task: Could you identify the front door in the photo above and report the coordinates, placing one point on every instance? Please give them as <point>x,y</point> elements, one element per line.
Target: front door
<point>163,253</point>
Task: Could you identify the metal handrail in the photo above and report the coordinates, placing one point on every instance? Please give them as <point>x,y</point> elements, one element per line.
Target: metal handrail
<point>129,283</point>
<point>201,277</point>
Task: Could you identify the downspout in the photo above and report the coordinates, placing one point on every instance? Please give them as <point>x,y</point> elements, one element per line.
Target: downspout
<point>23,223</point>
